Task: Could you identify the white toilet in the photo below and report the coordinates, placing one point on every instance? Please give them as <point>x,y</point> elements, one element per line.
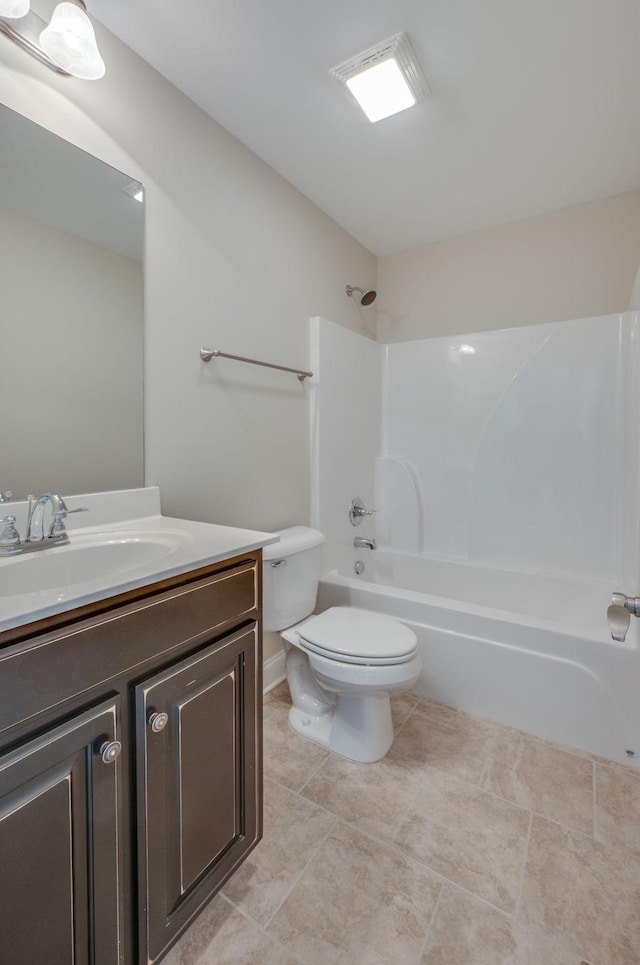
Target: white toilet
<point>343,664</point>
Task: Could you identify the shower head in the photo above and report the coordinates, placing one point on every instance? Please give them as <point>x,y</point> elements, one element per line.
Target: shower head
<point>368,298</point>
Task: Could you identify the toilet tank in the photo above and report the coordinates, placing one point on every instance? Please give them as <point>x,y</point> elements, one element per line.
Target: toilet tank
<point>291,572</point>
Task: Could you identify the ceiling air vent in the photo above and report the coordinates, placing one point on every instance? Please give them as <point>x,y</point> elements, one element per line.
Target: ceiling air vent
<point>385,79</point>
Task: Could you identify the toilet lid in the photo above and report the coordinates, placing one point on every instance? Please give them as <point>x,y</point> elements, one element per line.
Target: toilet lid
<point>358,636</point>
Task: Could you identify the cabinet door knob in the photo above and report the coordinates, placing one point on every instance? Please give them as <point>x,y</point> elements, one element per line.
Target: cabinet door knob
<point>110,751</point>
<point>158,721</point>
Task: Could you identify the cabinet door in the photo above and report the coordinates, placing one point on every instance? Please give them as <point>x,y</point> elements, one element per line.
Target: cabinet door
<point>59,862</point>
<point>199,808</point>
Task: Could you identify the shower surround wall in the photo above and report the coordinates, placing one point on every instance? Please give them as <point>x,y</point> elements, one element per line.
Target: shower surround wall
<point>523,446</point>
<point>346,413</point>
<point>515,449</point>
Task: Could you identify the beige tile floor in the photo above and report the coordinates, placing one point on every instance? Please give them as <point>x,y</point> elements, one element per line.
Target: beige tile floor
<point>470,844</point>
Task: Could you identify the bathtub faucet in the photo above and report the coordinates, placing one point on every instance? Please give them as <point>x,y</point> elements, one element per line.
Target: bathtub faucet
<point>361,542</point>
<point>618,614</point>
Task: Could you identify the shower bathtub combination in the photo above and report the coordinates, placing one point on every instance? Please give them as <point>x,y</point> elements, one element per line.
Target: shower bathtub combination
<point>505,470</point>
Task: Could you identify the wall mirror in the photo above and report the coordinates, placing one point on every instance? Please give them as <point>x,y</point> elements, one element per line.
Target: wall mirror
<point>71,261</point>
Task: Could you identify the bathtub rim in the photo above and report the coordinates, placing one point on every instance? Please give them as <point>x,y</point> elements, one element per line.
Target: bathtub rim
<point>580,631</point>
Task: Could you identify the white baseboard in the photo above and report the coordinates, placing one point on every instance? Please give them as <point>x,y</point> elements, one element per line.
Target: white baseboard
<point>273,671</point>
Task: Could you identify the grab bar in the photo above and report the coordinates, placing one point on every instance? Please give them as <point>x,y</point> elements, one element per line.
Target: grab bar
<point>207,354</point>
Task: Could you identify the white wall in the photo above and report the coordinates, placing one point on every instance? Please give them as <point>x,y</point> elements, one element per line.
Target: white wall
<point>235,258</point>
<point>571,263</point>
<point>48,331</point>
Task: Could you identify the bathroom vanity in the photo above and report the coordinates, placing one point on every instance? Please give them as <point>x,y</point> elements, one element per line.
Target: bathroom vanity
<point>130,752</point>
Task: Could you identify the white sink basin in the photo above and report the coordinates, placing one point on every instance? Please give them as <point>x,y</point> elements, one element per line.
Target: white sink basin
<point>85,559</point>
<point>121,544</point>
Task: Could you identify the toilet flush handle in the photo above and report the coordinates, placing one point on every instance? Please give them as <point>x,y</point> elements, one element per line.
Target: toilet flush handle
<point>278,563</point>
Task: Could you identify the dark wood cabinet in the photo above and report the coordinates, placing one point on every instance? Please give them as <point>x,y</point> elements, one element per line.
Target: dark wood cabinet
<point>198,783</point>
<point>59,844</point>
<point>108,850</point>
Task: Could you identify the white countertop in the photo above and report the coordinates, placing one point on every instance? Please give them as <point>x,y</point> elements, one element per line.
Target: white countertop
<point>180,545</point>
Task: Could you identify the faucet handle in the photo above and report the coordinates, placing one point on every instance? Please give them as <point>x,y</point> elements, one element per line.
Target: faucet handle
<point>9,536</point>
<point>5,495</point>
<point>57,527</point>
<point>357,511</point>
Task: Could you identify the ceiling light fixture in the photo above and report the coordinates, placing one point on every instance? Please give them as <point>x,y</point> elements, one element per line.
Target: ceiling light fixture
<point>14,8</point>
<point>385,79</point>
<point>67,43</point>
<point>135,190</point>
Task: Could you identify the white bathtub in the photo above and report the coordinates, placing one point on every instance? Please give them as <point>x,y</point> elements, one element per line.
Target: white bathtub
<point>531,651</point>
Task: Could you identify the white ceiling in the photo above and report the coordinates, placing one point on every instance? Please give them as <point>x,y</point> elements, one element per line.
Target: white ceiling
<point>535,103</point>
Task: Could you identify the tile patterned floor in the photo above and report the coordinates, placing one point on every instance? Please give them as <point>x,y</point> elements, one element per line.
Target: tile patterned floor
<point>470,844</point>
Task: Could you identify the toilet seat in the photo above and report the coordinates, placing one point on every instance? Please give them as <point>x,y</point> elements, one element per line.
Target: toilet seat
<point>354,636</point>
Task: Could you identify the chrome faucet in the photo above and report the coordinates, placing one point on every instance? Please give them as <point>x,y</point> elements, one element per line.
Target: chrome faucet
<point>619,614</point>
<point>35,520</point>
<point>35,538</point>
<point>361,542</point>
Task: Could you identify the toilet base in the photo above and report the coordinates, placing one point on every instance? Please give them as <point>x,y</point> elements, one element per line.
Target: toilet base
<point>359,728</point>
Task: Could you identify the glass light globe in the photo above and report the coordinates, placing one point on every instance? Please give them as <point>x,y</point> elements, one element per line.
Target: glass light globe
<point>70,42</point>
<point>12,9</point>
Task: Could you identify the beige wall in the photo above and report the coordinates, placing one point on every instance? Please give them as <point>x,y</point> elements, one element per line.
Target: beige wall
<point>235,257</point>
<point>48,441</point>
<point>571,263</point>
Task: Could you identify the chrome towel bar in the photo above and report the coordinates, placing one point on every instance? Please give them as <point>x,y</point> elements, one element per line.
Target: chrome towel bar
<point>206,354</point>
